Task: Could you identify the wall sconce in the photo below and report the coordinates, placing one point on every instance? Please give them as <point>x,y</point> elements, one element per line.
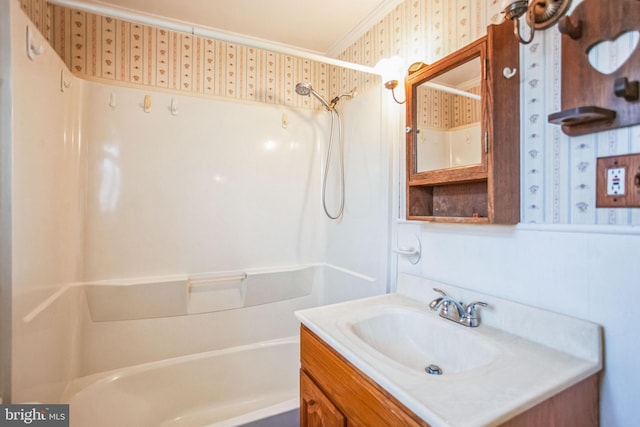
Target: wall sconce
<point>540,14</point>
<point>392,70</point>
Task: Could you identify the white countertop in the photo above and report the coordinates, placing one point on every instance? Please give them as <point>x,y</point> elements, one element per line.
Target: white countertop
<point>549,353</point>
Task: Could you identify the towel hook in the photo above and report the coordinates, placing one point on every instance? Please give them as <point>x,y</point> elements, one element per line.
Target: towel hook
<point>146,105</point>
<point>509,73</point>
<point>64,83</point>
<point>32,49</point>
<point>174,107</point>
<point>413,253</point>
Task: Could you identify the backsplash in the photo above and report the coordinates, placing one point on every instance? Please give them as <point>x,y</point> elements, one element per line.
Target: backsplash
<point>108,49</point>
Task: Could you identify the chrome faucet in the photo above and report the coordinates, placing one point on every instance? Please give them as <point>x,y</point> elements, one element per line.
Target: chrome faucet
<point>465,315</point>
<point>445,302</point>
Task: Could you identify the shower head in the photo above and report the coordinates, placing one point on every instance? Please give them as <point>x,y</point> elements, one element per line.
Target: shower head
<point>305,89</point>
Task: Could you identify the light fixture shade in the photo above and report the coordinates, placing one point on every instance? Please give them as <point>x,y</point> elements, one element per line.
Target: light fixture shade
<point>393,71</point>
<point>393,68</point>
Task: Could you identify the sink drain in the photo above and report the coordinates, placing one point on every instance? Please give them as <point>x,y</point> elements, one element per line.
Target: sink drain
<point>433,370</point>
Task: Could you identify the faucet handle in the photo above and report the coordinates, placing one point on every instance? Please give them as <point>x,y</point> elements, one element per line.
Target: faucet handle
<point>440,291</point>
<point>471,308</point>
<point>470,317</point>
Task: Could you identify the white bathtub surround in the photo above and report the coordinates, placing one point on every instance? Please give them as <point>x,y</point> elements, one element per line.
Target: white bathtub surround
<point>153,339</point>
<point>141,299</point>
<point>529,354</point>
<point>220,187</point>
<point>154,297</point>
<point>42,168</point>
<point>220,199</point>
<point>121,339</point>
<point>220,388</point>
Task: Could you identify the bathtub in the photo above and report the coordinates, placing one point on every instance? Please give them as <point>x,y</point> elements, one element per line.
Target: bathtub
<point>253,385</point>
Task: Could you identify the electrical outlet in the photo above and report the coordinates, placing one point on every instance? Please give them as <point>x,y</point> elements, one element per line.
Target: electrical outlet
<point>615,182</point>
<point>618,181</point>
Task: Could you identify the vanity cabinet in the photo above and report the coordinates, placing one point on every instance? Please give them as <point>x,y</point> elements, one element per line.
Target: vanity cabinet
<point>335,393</point>
<point>316,410</point>
<point>463,134</point>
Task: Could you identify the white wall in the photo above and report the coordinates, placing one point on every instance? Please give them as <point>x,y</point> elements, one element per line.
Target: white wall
<point>46,214</point>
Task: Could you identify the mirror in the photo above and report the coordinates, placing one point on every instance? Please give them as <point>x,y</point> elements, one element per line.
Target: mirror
<point>463,134</point>
<point>448,119</point>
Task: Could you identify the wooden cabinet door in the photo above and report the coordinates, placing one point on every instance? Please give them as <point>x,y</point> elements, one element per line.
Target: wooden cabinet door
<point>316,410</point>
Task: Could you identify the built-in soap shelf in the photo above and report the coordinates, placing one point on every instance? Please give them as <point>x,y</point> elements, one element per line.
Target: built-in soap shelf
<point>594,100</point>
<point>179,295</point>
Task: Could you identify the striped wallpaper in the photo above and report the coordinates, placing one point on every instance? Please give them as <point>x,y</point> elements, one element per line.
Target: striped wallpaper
<point>105,48</point>
<point>558,172</point>
<point>441,110</point>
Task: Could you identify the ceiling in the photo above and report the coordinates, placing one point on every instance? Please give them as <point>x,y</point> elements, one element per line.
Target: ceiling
<point>311,25</point>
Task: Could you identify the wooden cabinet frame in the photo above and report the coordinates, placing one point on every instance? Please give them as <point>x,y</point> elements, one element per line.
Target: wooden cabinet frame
<point>489,192</point>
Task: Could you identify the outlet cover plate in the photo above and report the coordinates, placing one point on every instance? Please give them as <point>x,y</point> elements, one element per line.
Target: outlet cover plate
<point>618,181</point>
<point>615,181</point>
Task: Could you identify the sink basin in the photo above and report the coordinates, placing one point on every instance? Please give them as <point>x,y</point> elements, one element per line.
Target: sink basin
<point>517,358</point>
<point>416,339</point>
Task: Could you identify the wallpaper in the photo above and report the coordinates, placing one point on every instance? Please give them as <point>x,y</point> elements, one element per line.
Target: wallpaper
<point>105,48</point>
<point>441,110</point>
<point>424,30</point>
<point>557,172</point>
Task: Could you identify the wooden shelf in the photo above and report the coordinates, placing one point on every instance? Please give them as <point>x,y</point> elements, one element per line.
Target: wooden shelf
<point>452,200</point>
<point>582,115</point>
<point>593,101</point>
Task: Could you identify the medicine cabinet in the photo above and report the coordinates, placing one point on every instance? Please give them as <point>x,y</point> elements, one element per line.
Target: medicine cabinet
<point>463,134</point>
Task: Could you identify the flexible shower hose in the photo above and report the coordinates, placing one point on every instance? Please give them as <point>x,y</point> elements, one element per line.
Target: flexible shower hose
<point>334,113</point>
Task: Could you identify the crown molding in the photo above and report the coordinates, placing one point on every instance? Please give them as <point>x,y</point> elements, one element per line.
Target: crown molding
<point>366,24</point>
